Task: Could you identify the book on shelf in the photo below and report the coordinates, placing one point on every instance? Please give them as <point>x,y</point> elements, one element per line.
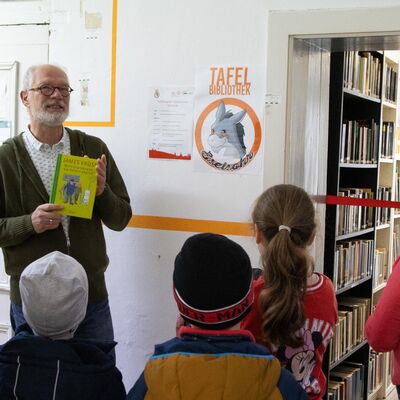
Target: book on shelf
<point>351,375</point>
<point>74,185</point>
<point>353,261</point>
<point>346,378</point>
<point>383,213</point>
<point>354,218</point>
<point>390,83</point>
<point>397,147</point>
<point>359,141</point>
<point>362,70</point>
<point>396,241</point>
<point>342,339</point>
<point>387,140</point>
<point>381,266</point>
<point>390,362</point>
<point>360,307</point>
<point>363,76</point>
<point>360,376</point>
<point>350,328</point>
<point>397,189</point>
<point>335,390</point>
<point>375,370</point>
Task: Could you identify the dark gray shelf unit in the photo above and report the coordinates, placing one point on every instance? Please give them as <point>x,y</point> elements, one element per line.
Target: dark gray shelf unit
<point>345,104</point>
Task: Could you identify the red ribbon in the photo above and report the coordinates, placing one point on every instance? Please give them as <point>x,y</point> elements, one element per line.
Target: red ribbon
<point>355,201</point>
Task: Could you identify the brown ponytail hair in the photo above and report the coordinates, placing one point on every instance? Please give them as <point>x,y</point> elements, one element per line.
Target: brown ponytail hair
<point>285,260</point>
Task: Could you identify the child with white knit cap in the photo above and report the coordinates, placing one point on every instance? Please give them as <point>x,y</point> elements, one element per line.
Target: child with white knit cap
<point>43,360</point>
<point>54,294</point>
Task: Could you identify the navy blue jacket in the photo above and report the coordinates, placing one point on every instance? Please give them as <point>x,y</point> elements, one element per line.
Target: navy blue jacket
<point>37,368</point>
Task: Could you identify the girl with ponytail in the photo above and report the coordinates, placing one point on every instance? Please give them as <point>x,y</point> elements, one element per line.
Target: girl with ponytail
<point>297,307</point>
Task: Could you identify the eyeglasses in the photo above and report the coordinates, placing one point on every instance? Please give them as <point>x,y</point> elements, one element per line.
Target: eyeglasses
<point>48,90</point>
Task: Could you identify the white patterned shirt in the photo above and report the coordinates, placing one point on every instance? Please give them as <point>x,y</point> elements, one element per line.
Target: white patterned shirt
<point>44,157</point>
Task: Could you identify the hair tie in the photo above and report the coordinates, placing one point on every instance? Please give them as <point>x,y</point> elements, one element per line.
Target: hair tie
<point>285,227</point>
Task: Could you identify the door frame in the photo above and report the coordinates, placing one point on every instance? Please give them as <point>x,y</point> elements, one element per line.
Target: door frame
<point>283,27</point>
<point>12,67</point>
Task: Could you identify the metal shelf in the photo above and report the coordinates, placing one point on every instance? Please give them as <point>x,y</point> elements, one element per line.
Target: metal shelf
<point>352,285</point>
<point>348,354</point>
<point>354,234</point>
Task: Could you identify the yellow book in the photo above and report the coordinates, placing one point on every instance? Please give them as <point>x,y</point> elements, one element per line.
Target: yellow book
<point>74,185</point>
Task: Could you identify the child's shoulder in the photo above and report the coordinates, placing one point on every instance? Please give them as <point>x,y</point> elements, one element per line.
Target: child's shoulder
<point>321,298</point>
<point>258,284</point>
<point>172,345</point>
<point>318,282</point>
<point>321,290</point>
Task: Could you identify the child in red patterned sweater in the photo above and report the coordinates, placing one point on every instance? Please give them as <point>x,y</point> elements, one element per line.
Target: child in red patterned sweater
<point>297,307</point>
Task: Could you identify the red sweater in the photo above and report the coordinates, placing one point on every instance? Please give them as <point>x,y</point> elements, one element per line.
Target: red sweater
<point>383,326</point>
<point>304,362</point>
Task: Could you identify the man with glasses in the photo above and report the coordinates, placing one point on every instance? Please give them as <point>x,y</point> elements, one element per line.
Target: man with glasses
<point>30,227</point>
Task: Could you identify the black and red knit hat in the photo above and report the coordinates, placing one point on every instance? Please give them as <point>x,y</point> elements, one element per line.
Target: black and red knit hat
<point>212,281</point>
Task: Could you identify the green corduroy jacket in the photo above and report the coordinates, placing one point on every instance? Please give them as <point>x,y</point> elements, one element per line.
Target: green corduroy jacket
<point>22,191</point>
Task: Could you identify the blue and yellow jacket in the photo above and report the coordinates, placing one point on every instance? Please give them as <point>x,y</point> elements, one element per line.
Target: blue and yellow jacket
<point>214,365</point>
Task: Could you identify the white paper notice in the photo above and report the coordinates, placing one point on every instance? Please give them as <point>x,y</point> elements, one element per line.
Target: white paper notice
<point>170,122</point>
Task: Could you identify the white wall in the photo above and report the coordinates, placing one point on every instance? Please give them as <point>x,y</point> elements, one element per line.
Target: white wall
<point>23,12</point>
<point>161,42</point>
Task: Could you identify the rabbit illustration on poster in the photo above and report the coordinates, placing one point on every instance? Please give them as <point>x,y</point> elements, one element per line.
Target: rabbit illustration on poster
<point>227,134</point>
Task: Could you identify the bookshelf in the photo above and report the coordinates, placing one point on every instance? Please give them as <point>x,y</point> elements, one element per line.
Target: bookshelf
<point>361,243</point>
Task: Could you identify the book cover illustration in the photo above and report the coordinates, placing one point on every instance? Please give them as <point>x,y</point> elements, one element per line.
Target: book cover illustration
<point>74,185</point>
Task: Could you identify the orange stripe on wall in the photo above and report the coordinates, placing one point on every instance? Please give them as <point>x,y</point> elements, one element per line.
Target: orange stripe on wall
<point>190,225</point>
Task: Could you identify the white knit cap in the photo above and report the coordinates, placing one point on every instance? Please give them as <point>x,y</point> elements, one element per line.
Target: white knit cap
<point>54,293</point>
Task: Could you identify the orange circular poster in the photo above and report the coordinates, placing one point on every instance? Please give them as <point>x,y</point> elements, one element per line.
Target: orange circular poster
<point>228,134</point>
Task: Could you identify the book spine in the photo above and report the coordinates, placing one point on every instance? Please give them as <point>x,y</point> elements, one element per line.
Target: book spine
<point>55,179</point>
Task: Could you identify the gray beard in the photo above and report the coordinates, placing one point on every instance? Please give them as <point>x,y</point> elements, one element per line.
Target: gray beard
<point>50,119</point>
